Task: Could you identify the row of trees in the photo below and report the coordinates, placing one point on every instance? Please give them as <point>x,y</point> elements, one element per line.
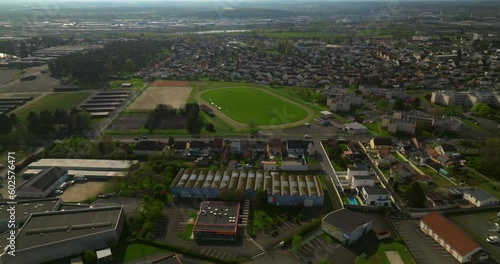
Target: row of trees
<point>48,122</point>
<point>166,112</point>
<point>9,122</point>
<point>284,46</point>
<point>116,58</point>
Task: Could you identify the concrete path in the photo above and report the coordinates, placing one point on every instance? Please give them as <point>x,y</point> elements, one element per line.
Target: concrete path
<point>394,257</point>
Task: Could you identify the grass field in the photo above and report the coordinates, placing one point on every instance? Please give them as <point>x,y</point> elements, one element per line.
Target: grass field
<point>50,102</point>
<point>188,231</point>
<point>127,253</point>
<point>248,105</point>
<point>380,256</point>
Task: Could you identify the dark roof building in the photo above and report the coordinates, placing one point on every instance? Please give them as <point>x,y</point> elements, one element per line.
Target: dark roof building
<point>49,236</point>
<point>380,142</point>
<point>217,221</point>
<point>149,146</point>
<point>24,208</point>
<point>346,226</point>
<point>43,183</point>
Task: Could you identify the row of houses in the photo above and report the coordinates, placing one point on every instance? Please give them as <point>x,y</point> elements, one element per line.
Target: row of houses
<point>467,98</point>
<point>406,122</point>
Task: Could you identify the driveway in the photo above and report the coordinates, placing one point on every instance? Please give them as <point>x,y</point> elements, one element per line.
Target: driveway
<point>423,248</point>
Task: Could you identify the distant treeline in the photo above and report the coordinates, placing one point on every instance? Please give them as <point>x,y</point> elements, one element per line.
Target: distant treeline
<point>116,58</point>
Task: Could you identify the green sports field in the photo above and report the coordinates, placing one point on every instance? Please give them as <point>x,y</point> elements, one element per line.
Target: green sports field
<point>248,105</point>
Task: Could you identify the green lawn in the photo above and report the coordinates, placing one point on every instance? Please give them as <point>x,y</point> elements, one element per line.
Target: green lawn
<point>137,84</point>
<point>376,130</point>
<point>380,257</point>
<point>186,234</point>
<point>437,179</point>
<point>248,105</point>
<point>135,251</point>
<point>50,102</point>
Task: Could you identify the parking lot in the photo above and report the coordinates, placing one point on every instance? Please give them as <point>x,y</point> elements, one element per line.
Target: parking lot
<point>318,247</point>
<point>423,248</point>
<point>480,226</point>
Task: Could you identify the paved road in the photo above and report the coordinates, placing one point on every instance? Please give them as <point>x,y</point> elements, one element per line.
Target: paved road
<point>332,182</point>
<point>242,126</point>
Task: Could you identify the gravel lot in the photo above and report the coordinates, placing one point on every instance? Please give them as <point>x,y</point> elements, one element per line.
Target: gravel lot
<point>152,96</point>
<point>43,83</point>
<point>81,191</point>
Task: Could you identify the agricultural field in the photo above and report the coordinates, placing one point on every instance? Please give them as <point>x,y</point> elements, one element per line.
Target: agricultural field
<point>52,101</point>
<point>247,105</point>
<point>174,93</point>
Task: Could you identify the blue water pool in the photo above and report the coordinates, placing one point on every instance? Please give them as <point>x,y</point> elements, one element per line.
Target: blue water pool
<point>352,200</point>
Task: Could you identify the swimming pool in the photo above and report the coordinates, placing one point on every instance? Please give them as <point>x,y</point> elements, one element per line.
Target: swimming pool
<point>352,200</point>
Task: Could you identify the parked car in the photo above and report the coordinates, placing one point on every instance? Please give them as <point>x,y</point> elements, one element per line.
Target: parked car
<point>492,239</point>
<point>136,138</point>
<point>307,136</point>
<point>144,137</point>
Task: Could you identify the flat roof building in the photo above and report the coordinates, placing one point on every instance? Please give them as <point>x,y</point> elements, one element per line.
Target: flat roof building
<point>217,221</point>
<point>49,236</point>
<point>43,183</point>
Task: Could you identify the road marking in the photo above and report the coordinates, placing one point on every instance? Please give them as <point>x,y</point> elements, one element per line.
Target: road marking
<point>206,253</point>
<point>203,250</point>
<point>218,254</point>
<point>223,255</point>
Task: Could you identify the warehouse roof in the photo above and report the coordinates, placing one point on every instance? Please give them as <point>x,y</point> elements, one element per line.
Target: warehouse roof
<point>275,184</point>
<point>78,164</point>
<point>346,220</point>
<point>24,208</point>
<point>43,180</point>
<point>47,228</point>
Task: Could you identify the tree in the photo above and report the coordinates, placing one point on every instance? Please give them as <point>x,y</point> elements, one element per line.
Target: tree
<point>416,103</point>
<point>490,157</point>
<point>296,242</point>
<point>382,104</point>
<point>89,257</point>
<point>399,104</point>
<point>46,124</point>
<point>14,121</point>
<point>6,126</point>
<point>428,97</point>
<point>416,196</point>
<point>171,141</point>
<point>210,127</point>
<point>481,109</point>
<point>33,122</point>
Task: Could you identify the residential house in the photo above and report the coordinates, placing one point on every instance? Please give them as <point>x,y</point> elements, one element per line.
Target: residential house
<point>346,226</point>
<point>352,152</point>
<point>180,147</point>
<point>268,165</point>
<point>146,147</point>
<point>480,198</point>
<point>402,173</point>
<point>274,146</point>
<point>385,153</point>
<point>235,147</point>
<point>296,148</point>
<point>381,142</point>
<point>448,150</point>
<point>461,246</point>
<point>375,196</point>
<point>362,180</point>
<point>197,148</point>
<point>216,144</point>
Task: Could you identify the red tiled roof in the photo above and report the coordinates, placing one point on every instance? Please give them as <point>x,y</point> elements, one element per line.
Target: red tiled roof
<point>450,233</point>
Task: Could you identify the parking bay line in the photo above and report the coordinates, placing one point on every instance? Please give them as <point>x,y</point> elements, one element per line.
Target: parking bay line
<point>223,255</point>
<point>218,254</point>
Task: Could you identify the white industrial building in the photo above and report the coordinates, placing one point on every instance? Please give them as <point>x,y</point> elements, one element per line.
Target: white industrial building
<point>80,169</point>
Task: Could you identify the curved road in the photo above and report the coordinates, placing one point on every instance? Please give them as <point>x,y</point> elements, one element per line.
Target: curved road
<point>242,126</point>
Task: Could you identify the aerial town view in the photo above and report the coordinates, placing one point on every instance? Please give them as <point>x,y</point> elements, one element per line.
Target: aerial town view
<point>249,131</point>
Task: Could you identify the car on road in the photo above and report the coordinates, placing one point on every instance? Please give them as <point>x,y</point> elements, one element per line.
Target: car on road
<point>136,138</point>
<point>492,239</point>
<point>144,137</point>
<point>307,136</point>
<point>307,124</point>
